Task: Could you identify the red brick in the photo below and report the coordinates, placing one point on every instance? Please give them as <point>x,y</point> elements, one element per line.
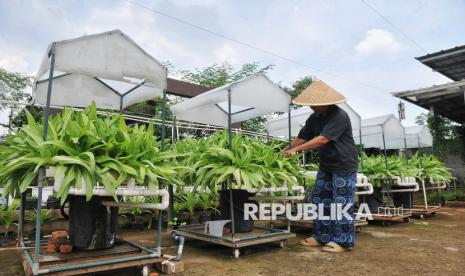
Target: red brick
<point>66,248</point>
<point>51,247</point>
<point>59,234</point>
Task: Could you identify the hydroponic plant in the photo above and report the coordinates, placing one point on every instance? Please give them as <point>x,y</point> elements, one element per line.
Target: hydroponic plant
<point>374,167</point>
<point>8,216</point>
<point>249,164</point>
<point>85,149</point>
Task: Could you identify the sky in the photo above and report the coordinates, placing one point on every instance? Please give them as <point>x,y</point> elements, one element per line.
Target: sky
<point>344,43</point>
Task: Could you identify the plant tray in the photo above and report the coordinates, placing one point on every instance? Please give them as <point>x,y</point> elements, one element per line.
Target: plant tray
<point>422,211</point>
<point>259,235</point>
<point>122,249</point>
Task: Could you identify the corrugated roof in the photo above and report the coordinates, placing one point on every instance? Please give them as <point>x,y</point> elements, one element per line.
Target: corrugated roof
<point>184,88</point>
<point>450,62</point>
<point>446,99</point>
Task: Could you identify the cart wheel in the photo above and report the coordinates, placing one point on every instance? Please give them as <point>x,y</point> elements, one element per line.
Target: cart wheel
<point>408,219</point>
<point>236,253</point>
<point>145,270</point>
<point>283,244</point>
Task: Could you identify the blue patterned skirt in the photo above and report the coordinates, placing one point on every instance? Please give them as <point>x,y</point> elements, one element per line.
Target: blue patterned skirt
<point>340,189</point>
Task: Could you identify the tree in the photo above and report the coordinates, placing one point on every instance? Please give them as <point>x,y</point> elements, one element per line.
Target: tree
<point>217,75</point>
<point>12,86</point>
<point>298,86</point>
<point>447,135</point>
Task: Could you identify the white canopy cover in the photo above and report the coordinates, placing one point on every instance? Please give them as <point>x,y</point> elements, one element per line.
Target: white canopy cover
<point>108,68</point>
<point>278,127</point>
<point>418,137</point>
<point>388,125</point>
<point>250,97</point>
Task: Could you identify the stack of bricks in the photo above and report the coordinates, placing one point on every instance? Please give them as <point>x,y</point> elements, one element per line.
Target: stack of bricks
<point>59,243</point>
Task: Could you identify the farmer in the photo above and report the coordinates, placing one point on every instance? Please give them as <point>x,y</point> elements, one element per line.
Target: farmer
<point>328,129</point>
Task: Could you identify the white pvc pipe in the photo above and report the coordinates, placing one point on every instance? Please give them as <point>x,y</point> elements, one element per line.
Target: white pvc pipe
<point>301,197</point>
<point>130,189</point>
<point>298,189</point>
<point>415,188</point>
<point>362,182</point>
<point>369,186</point>
<point>439,184</point>
<point>101,191</point>
<point>164,194</point>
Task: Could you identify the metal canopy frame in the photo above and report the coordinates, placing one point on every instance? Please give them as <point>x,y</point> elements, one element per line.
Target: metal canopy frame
<point>34,263</point>
<point>231,199</point>
<point>229,184</point>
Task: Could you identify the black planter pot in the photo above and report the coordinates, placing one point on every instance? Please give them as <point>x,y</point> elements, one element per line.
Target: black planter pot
<point>53,203</point>
<point>30,204</point>
<point>374,200</point>
<point>404,200</point>
<point>91,225</point>
<point>32,235</point>
<point>134,225</point>
<point>193,219</point>
<point>7,239</point>
<point>204,216</point>
<point>240,197</point>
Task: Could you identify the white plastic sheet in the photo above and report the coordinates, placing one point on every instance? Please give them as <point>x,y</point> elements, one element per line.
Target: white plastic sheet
<point>101,68</point>
<point>278,127</point>
<point>373,130</point>
<point>250,97</point>
<point>418,137</point>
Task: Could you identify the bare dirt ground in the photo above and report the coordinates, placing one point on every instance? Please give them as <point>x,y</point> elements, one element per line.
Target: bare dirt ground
<point>435,246</point>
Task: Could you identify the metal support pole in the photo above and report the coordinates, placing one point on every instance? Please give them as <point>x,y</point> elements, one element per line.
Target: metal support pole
<point>170,187</point>
<point>42,170</point>
<point>386,164</point>
<point>424,193</point>
<point>384,148</point>
<point>290,142</point>
<point>361,149</point>
<point>231,203</point>
<point>289,126</point>
<point>173,130</point>
<point>405,149</point>
<point>163,121</point>
<point>160,225</point>
<point>21,218</point>
<point>425,199</point>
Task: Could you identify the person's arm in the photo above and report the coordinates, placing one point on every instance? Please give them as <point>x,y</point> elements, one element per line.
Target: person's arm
<point>312,144</point>
<point>294,143</point>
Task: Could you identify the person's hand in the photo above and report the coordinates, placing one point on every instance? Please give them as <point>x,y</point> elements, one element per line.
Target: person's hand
<point>289,153</point>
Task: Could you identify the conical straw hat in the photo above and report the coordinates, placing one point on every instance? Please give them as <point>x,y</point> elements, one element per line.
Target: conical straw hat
<point>319,93</point>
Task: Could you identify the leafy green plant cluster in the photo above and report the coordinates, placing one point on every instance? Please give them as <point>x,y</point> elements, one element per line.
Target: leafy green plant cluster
<point>45,215</point>
<point>428,166</point>
<point>250,163</point>
<point>85,149</point>
<point>450,195</point>
<point>8,216</point>
<point>190,202</point>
